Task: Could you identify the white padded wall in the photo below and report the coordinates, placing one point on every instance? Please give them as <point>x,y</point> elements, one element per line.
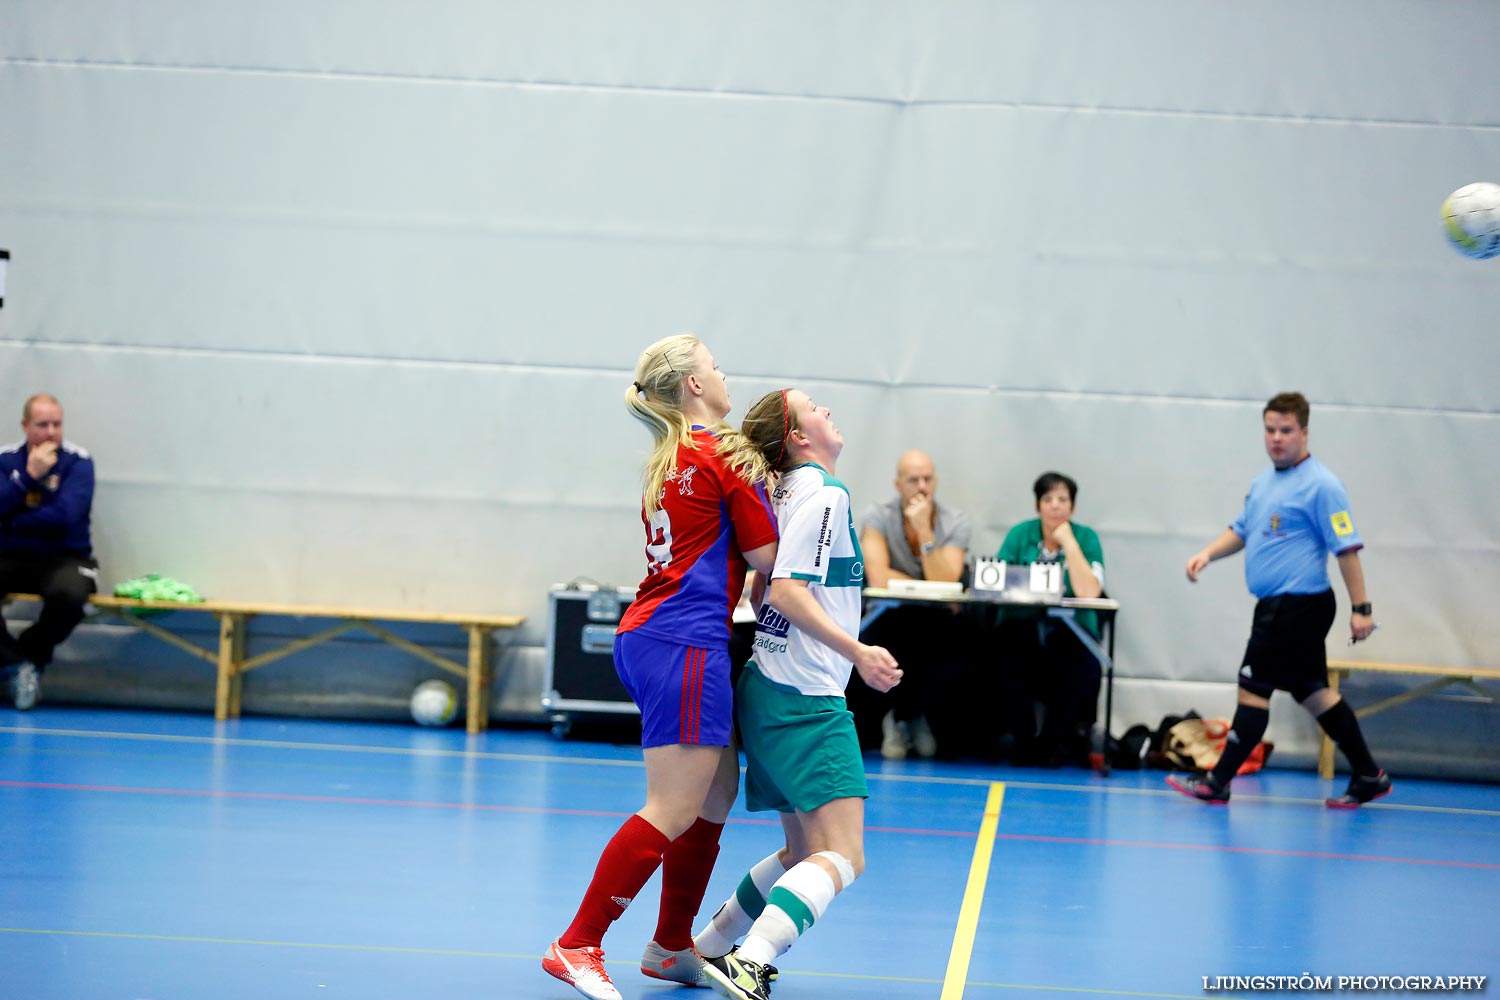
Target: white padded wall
<point>344,296</point>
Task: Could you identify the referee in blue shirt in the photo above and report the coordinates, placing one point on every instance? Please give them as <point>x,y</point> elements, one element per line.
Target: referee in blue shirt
<point>1295,514</point>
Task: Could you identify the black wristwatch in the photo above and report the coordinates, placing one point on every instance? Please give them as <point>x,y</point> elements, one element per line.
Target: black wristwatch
<point>1362,609</point>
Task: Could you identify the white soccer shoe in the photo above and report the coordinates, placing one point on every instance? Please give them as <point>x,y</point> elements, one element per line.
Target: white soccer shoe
<point>685,967</point>
<point>582,969</point>
<point>25,687</point>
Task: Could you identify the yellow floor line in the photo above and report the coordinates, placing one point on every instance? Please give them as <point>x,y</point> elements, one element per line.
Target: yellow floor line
<point>968,914</point>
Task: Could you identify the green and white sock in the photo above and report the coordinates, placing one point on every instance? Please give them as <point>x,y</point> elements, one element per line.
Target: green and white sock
<point>794,904</point>
<point>739,911</point>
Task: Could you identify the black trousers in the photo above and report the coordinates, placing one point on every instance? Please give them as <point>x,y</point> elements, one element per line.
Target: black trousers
<point>935,648</point>
<point>1042,661</point>
<point>65,583</point>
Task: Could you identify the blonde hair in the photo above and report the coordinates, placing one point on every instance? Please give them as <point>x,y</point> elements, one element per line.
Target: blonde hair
<point>656,399</point>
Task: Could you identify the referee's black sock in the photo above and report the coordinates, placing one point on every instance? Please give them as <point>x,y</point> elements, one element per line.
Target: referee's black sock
<point>1248,727</point>
<point>1343,728</point>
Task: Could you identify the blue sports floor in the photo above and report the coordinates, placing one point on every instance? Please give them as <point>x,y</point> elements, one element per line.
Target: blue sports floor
<point>150,856</point>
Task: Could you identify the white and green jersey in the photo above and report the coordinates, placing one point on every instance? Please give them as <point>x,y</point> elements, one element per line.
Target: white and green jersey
<point>818,545</point>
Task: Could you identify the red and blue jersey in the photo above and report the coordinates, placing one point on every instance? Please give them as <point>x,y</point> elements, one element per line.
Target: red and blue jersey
<point>706,519</point>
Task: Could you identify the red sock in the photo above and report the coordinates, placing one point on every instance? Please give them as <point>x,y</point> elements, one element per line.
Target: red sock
<point>685,869</point>
<point>630,858</point>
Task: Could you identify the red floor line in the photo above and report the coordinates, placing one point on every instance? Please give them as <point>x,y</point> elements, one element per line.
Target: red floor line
<point>554,811</point>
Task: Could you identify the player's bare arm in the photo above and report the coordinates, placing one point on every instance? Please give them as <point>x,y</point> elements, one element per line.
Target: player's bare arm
<point>874,663</point>
<point>762,559</point>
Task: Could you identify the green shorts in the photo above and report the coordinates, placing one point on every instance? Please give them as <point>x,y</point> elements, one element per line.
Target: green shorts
<point>801,751</point>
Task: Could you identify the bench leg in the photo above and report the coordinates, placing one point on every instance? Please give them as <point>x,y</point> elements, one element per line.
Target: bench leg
<point>237,681</point>
<point>223,691</point>
<point>479,679</point>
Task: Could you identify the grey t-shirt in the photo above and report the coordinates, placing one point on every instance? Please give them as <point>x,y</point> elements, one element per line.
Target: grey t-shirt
<point>951,528</point>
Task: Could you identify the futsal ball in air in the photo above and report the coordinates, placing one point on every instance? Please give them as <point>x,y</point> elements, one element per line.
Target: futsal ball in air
<point>434,703</point>
<point>1471,217</point>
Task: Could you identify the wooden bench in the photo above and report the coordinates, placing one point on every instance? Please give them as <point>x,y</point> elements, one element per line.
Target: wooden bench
<point>234,618</point>
<point>1442,677</point>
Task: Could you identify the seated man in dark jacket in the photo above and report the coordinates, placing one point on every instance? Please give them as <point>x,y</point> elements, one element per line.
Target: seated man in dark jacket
<point>45,499</point>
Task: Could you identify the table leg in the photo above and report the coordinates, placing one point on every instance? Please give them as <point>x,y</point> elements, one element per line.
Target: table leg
<point>1109,694</point>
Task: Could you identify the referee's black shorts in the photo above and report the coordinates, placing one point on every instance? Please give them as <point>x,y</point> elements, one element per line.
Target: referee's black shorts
<point>1286,651</point>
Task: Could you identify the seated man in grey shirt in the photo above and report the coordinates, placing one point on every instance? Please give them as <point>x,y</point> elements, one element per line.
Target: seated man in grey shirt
<point>912,537</point>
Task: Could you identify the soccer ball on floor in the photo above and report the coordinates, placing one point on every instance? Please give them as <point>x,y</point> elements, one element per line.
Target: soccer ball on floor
<point>434,703</point>
<point>1471,217</point>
